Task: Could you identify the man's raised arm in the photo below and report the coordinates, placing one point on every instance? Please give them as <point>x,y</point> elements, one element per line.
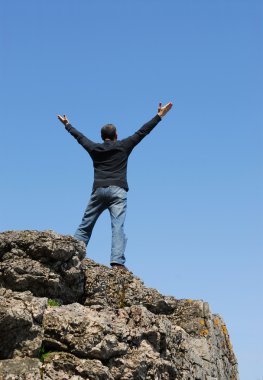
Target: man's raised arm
<point>132,141</point>
<point>81,139</point>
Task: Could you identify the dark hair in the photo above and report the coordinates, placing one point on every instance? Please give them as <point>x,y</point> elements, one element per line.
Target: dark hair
<point>108,131</point>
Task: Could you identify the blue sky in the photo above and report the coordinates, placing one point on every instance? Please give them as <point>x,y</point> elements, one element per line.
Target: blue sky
<point>195,204</point>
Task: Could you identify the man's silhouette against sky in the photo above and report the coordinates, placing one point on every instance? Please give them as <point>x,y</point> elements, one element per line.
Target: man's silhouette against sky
<point>110,180</point>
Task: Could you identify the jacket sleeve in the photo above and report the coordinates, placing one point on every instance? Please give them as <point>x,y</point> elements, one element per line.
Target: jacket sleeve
<point>131,141</point>
<point>81,139</point>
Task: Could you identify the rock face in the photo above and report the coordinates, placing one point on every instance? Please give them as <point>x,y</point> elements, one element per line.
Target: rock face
<point>47,264</point>
<point>107,326</point>
<point>21,330</point>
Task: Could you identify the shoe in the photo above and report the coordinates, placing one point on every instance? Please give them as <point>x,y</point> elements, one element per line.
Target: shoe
<point>119,266</point>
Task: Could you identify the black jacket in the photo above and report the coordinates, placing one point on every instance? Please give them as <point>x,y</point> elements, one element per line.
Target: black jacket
<point>110,157</point>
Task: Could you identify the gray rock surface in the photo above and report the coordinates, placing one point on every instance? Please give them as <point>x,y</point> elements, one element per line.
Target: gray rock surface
<point>20,369</point>
<point>130,341</point>
<point>46,263</point>
<point>135,343</point>
<point>76,368</point>
<point>110,326</point>
<point>104,287</point>
<point>21,328</point>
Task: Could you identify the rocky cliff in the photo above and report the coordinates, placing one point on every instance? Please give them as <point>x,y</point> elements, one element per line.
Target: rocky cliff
<point>66,317</point>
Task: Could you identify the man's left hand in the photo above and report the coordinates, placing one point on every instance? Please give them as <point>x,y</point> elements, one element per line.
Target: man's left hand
<point>162,111</point>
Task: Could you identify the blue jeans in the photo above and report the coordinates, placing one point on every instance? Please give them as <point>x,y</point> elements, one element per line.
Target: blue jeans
<point>113,198</point>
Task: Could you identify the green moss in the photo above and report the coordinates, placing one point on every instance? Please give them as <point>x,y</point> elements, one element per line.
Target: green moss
<point>52,302</point>
<point>43,353</point>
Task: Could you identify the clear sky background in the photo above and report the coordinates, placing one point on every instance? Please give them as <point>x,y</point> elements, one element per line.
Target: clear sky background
<point>195,204</point>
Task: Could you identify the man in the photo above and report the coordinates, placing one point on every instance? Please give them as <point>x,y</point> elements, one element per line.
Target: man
<point>110,180</point>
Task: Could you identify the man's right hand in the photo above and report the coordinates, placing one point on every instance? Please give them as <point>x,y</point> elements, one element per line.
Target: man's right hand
<point>63,119</point>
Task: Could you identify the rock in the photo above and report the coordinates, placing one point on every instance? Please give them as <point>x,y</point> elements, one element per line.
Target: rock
<point>204,341</point>
<point>197,320</point>
<point>143,363</point>
<point>135,343</point>
<point>57,366</point>
<point>21,330</point>
<point>84,332</point>
<point>131,340</point>
<point>106,287</point>
<point>110,326</point>
<point>62,365</point>
<point>45,263</point>
<point>21,369</point>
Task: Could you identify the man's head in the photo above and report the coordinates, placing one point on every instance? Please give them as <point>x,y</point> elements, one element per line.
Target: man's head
<point>109,132</point>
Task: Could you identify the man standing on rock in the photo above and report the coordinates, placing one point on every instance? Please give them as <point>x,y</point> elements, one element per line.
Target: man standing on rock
<point>110,180</point>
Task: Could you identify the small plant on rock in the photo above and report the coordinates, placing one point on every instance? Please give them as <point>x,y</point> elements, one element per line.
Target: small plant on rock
<point>52,302</point>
